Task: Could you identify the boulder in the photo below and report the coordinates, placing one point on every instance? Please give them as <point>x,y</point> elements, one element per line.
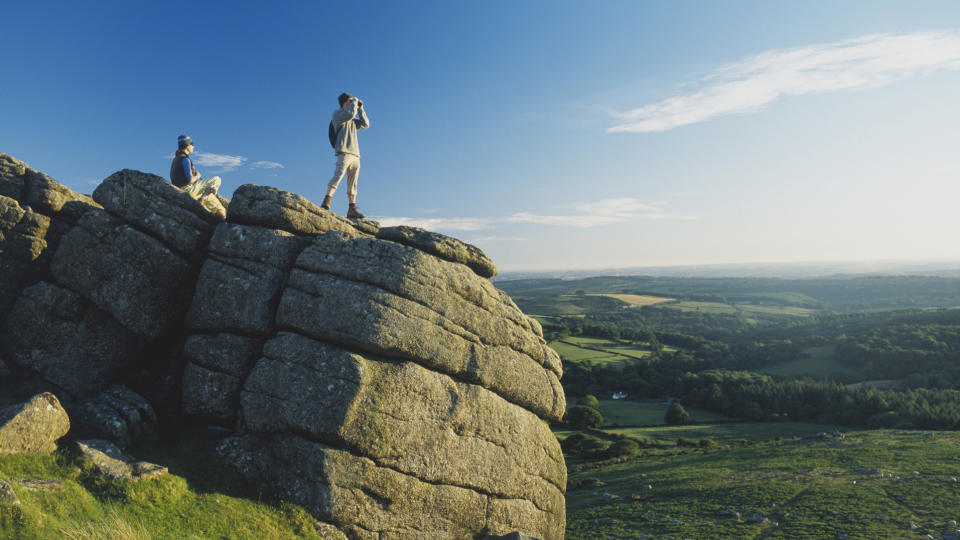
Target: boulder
<point>151,204</point>
<point>125,272</point>
<point>7,496</point>
<point>68,341</point>
<point>47,196</point>
<point>425,428</point>
<point>442,246</point>
<point>12,172</point>
<point>217,365</point>
<point>40,484</point>
<point>113,463</point>
<point>22,231</point>
<point>40,192</point>
<point>355,493</point>
<point>247,266</point>
<point>35,211</point>
<point>328,531</point>
<point>34,426</point>
<point>119,415</point>
<point>374,376</point>
<point>22,241</point>
<point>277,209</point>
<point>396,301</point>
<point>511,536</point>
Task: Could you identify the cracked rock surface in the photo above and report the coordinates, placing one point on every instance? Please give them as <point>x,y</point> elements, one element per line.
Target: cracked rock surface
<point>373,375</point>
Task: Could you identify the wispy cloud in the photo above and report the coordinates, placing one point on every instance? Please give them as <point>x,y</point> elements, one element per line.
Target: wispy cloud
<point>606,212</point>
<point>753,83</point>
<point>594,214</point>
<point>266,165</point>
<point>496,239</point>
<point>221,161</point>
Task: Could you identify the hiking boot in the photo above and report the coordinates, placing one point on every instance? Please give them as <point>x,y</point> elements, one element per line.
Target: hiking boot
<point>326,203</point>
<point>353,212</point>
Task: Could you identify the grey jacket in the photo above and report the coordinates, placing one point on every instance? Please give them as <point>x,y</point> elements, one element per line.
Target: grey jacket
<point>347,126</point>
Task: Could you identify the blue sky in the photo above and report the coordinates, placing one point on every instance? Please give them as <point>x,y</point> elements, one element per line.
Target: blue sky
<point>552,134</point>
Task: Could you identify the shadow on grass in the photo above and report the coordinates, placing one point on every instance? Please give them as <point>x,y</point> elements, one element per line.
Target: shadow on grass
<point>189,451</point>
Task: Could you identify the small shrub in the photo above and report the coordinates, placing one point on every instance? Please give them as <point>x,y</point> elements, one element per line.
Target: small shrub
<point>707,443</point>
<point>683,441</point>
<point>580,443</point>
<point>590,483</point>
<point>584,417</point>
<point>589,401</point>
<point>624,447</point>
<point>676,415</point>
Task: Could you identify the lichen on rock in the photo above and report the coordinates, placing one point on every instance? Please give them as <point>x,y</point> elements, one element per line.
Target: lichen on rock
<point>373,375</point>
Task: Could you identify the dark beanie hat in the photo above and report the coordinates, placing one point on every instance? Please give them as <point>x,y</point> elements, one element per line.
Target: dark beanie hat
<point>344,97</point>
<point>184,141</point>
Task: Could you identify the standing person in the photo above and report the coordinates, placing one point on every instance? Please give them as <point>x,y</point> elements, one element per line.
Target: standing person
<point>185,177</point>
<point>346,121</point>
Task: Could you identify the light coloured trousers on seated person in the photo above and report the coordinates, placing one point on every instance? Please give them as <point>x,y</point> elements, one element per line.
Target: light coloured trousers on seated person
<point>205,191</point>
<point>348,164</point>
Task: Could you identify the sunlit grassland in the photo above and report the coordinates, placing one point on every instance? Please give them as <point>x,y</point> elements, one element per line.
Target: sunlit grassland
<point>179,505</point>
<point>792,488</point>
<point>724,432</point>
<point>716,308</point>
<point>638,300</point>
<point>624,412</point>
<point>599,350</point>
<point>573,353</point>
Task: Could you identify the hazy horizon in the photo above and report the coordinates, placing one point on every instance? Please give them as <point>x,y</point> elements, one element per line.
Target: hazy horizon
<point>784,269</point>
<point>551,134</point>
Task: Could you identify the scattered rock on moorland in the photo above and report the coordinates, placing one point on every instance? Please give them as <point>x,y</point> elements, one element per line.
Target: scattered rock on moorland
<point>111,462</point>
<point>40,484</point>
<point>7,496</point>
<point>34,426</point>
<point>119,415</point>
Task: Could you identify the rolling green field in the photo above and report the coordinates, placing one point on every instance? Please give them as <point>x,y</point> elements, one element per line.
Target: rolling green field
<point>623,412</point>
<point>569,304</point>
<point>744,308</point>
<point>818,362</point>
<point>598,350</point>
<point>638,300</point>
<point>572,353</point>
<point>724,433</point>
<point>871,484</point>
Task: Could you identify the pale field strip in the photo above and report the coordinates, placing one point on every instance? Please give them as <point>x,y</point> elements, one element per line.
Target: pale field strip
<point>638,300</point>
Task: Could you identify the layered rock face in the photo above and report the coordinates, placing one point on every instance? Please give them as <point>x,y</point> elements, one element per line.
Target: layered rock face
<point>372,375</point>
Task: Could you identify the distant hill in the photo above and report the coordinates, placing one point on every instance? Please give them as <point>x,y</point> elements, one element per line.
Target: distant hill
<point>774,270</point>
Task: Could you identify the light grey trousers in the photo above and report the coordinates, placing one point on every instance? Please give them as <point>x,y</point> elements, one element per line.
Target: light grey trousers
<point>348,164</point>
<point>205,191</point>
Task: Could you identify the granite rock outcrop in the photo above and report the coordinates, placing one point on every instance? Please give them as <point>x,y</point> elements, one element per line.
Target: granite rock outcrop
<point>373,375</point>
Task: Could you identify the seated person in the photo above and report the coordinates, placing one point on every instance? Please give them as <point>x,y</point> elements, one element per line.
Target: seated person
<point>185,177</point>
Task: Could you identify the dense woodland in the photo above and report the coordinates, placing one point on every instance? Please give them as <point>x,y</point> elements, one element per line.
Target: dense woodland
<point>713,360</point>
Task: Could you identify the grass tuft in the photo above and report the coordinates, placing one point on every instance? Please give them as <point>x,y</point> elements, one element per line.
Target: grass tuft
<point>111,527</point>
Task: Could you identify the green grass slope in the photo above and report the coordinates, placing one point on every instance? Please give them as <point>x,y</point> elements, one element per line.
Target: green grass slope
<point>182,504</point>
<point>872,484</point>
